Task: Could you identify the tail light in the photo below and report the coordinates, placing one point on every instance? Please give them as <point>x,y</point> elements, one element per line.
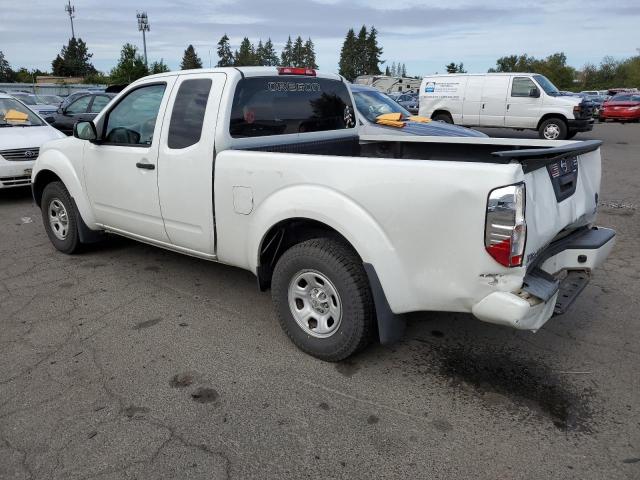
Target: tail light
<point>309,72</point>
<point>505,228</point>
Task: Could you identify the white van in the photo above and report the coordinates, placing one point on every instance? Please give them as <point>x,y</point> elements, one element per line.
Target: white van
<point>512,100</point>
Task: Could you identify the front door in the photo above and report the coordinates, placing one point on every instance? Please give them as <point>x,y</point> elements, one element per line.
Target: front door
<point>121,171</point>
<point>185,165</point>
<point>524,104</point>
<point>74,112</point>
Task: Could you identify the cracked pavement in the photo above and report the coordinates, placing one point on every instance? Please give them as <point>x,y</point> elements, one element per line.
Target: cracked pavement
<point>127,361</point>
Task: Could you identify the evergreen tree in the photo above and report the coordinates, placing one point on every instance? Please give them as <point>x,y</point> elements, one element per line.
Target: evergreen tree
<point>297,54</point>
<point>260,53</point>
<point>287,54</point>
<point>347,56</point>
<point>394,72</point>
<point>190,59</point>
<point>246,56</point>
<point>130,66</point>
<point>269,55</point>
<point>373,53</point>
<point>387,71</point>
<point>74,60</point>
<point>403,73</point>
<point>159,67</point>
<point>224,52</point>
<point>6,73</point>
<point>309,55</point>
<point>461,68</point>
<point>452,68</point>
<point>361,61</point>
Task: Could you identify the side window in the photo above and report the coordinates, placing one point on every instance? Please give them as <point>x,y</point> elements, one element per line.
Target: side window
<point>522,86</point>
<point>99,102</point>
<point>132,121</point>
<point>288,105</point>
<point>187,116</point>
<point>80,105</point>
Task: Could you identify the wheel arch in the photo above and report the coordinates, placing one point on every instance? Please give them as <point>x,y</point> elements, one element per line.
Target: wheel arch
<point>547,116</point>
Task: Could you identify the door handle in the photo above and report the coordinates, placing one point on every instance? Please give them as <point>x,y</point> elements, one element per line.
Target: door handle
<point>508,106</point>
<point>146,166</point>
<point>483,106</point>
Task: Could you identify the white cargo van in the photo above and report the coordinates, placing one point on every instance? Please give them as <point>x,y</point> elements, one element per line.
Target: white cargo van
<point>512,100</point>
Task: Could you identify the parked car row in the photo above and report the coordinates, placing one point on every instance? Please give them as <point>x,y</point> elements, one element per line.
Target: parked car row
<point>624,107</point>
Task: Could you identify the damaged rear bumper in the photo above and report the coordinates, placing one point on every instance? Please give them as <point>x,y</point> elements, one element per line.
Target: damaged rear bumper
<point>552,283</point>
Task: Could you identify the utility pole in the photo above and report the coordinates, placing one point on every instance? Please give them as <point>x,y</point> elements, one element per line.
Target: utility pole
<point>143,26</point>
<point>71,11</point>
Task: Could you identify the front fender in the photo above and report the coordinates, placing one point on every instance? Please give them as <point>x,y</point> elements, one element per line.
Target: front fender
<point>54,161</point>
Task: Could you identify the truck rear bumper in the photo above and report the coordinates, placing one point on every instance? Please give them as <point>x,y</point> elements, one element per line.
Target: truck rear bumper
<point>552,284</point>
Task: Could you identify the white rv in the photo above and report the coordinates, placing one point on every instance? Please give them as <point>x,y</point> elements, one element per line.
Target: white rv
<point>512,100</point>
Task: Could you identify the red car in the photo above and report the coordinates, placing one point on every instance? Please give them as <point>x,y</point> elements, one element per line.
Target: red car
<point>623,107</point>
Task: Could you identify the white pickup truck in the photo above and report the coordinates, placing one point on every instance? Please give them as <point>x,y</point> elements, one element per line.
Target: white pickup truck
<point>263,168</point>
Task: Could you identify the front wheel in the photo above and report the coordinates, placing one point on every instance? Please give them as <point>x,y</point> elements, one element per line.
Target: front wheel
<point>60,218</point>
<point>443,117</point>
<point>553,129</point>
<point>323,299</point>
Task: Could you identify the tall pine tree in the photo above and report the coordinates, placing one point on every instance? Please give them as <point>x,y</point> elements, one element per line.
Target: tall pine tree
<point>74,60</point>
<point>373,53</point>
<point>190,59</point>
<point>297,55</point>
<point>6,73</point>
<point>224,52</point>
<point>347,56</point>
<point>286,57</point>
<point>361,60</point>
<point>309,55</point>
<point>269,55</point>
<point>246,56</point>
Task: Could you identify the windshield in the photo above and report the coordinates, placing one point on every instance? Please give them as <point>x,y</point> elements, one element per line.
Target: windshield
<point>15,114</point>
<point>626,98</point>
<point>548,87</point>
<point>373,104</point>
<point>26,99</point>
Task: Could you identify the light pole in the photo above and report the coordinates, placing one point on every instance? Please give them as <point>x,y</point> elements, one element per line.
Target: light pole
<point>71,10</point>
<point>143,26</point>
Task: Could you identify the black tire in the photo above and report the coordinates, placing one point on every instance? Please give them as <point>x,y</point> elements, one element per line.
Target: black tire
<point>56,192</point>
<point>571,134</point>
<point>556,124</point>
<point>343,268</point>
<point>442,117</point>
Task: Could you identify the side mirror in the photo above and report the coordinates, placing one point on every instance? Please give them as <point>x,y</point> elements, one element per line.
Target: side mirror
<point>85,131</point>
<point>534,92</point>
<point>60,111</point>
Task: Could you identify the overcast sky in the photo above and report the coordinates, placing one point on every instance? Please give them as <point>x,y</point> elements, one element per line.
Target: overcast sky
<point>423,34</point>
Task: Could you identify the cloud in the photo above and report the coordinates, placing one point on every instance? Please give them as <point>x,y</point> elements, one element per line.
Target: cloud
<point>422,33</point>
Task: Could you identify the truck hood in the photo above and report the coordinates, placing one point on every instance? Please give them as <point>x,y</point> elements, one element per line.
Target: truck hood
<point>27,137</point>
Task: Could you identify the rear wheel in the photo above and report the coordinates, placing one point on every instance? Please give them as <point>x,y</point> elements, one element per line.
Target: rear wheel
<point>442,117</point>
<point>323,299</point>
<point>553,129</point>
<point>60,218</point>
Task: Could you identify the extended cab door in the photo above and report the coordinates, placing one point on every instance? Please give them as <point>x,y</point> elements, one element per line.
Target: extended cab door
<point>185,164</point>
<point>494,100</point>
<point>524,103</point>
<point>120,172</point>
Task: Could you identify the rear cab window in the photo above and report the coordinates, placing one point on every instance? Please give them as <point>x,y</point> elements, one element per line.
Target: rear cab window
<point>289,104</point>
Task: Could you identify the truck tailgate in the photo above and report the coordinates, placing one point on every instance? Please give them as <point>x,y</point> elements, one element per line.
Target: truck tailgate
<point>562,187</point>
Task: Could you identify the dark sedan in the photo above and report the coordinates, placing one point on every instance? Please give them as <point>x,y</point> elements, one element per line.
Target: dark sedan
<point>83,108</point>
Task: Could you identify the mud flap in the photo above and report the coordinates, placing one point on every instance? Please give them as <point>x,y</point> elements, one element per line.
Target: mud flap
<point>391,326</point>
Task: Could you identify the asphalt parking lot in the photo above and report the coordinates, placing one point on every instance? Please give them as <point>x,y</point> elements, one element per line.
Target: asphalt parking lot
<point>128,361</point>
